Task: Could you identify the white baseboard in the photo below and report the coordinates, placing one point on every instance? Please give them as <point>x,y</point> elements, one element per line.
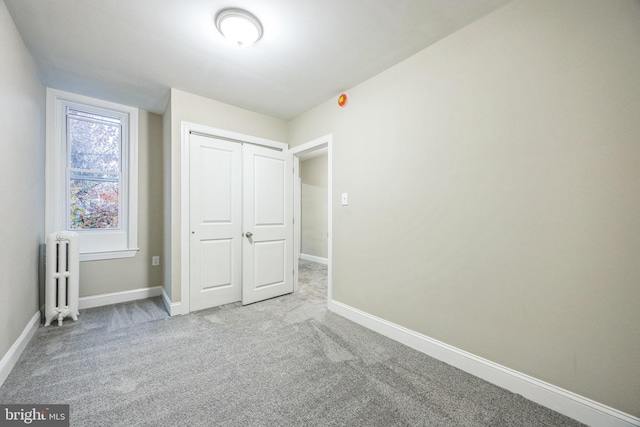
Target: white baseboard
<point>119,297</point>
<point>314,258</point>
<point>10,359</point>
<point>563,401</point>
<point>174,308</point>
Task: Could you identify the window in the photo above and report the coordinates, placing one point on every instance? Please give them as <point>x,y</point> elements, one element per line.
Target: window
<point>92,174</point>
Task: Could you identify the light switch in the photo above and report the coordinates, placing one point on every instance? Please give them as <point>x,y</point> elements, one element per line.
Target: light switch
<point>345,199</point>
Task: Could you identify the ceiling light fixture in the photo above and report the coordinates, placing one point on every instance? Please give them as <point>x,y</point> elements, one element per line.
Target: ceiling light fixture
<point>239,26</point>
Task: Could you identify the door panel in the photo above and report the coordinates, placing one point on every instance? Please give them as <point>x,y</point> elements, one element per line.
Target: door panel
<point>216,195</point>
<point>268,218</point>
<point>269,267</point>
<point>216,222</point>
<point>217,271</point>
<point>269,190</point>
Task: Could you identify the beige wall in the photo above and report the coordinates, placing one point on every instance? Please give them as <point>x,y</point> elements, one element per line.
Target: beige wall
<point>117,275</point>
<point>313,207</point>
<point>203,111</point>
<point>22,120</point>
<point>494,188</point>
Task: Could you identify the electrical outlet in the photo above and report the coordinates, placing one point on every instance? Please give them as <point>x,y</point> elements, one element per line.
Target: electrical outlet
<point>155,260</point>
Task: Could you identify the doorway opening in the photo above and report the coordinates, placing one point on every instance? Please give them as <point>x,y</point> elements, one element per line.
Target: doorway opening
<point>313,211</point>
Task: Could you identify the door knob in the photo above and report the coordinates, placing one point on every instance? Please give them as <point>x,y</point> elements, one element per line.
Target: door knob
<point>249,234</point>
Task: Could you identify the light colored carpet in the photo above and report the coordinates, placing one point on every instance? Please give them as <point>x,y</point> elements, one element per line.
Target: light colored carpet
<point>282,362</point>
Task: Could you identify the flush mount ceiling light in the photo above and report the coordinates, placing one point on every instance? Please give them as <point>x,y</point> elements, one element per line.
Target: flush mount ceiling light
<point>239,26</point>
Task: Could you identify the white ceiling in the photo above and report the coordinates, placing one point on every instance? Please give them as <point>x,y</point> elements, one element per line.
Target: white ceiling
<point>133,51</point>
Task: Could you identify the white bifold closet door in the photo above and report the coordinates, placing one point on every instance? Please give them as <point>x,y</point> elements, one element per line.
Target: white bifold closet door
<point>241,219</point>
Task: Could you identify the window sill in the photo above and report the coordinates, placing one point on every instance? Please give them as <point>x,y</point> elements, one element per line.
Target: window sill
<point>97,256</point>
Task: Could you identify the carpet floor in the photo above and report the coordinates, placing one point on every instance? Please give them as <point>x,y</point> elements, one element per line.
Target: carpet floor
<point>287,361</point>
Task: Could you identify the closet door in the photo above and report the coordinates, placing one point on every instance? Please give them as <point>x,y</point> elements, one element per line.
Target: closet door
<point>267,247</point>
<point>215,203</point>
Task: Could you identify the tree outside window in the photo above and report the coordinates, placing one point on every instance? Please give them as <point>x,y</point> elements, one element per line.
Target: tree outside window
<point>94,147</point>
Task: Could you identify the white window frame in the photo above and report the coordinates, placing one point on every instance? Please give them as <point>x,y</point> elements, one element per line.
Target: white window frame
<point>103,243</point>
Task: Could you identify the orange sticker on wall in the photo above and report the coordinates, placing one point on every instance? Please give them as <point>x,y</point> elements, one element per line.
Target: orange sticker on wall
<point>342,99</point>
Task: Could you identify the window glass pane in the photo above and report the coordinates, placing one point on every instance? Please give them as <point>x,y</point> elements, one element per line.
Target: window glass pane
<point>94,145</point>
<point>93,202</point>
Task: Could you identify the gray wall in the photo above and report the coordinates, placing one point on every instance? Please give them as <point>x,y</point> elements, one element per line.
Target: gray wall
<point>496,204</point>
<point>117,275</point>
<point>22,120</point>
<point>313,207</point>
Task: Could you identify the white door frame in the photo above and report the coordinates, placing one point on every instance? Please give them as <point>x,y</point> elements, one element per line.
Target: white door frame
<point>322,143</point>
<point>186,129</point>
